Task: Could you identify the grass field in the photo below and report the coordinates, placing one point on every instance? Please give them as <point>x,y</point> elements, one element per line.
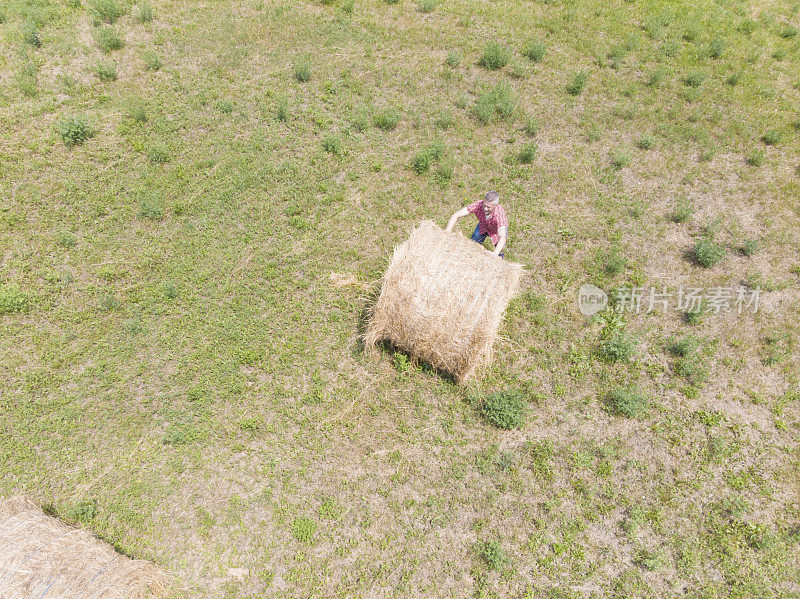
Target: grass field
<point>179,373</point>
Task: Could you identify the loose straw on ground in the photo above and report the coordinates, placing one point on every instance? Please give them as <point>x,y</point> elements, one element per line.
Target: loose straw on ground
<point>42,557</point>
<point>442,300</point>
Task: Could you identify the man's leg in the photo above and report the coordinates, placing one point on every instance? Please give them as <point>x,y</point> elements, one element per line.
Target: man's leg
<point>477,236</point>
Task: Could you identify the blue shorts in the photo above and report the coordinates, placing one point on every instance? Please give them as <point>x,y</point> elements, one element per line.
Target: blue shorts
<point>479,237</point>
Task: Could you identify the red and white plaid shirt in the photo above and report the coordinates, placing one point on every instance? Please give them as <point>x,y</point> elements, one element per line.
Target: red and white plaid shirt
<point>490,225</point>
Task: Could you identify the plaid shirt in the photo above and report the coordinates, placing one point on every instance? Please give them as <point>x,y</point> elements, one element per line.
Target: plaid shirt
<point>491,225</point>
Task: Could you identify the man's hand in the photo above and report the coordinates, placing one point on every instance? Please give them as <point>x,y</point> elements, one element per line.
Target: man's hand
<point>501,243</point>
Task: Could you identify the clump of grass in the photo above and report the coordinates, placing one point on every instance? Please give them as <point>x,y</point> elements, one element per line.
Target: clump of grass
<point>577,83</point>
<point>495,56</point>
<point>696,316</point>
<point>348,6</point>
<point>750,247</point>
<point>427,6</point>
<point>772,137</point>
<point>26,78</point>
<point>617,346</point>
<point>152,61</point>
<point>531,126</point>
<point>692,368</point>
<point>282,110</point>
<point>707,252</point>
<point>628,401</point>
<point>694,79</point>
<point>304,529</point>
<point>681,213</point>
<point>788,32</point>
<point>386,119</point>
<point>392,1</point>
<point>83,511</point>
<point>534,50</point>
<point>620,158</point>
<point>158,155</point>
<point>151,208</point>
<point>74,130</point>
<point>707,154</point>
<point>421,162</point>
<point>716,48</point>
<point>747,26</point>
<point>497,102</point>
<point>528,153</point>
<point>444,119</point>
<point>645,142</point>
<point>684,346</point>
<point>505,410</point>
<point>106,11</point>
<point>490,553</point>
<point>13,299</point>
<point>756,158</point>
<point>332,144</point>
<point>444,172</point>
<point>66,239</point>
<point>144,12</point>
<point>108,39</point>
<point>30,34</point>
<point>302,70</point>
<point>105,71</point>
<point>225,106</point>
<point>453,59</point>
<point>733,79</point>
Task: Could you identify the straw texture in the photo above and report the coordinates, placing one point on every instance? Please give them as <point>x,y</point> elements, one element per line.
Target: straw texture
<point>44,558</point>
<point>442,300</point>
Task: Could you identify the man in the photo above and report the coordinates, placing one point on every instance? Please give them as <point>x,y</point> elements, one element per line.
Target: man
<point>492,221</point>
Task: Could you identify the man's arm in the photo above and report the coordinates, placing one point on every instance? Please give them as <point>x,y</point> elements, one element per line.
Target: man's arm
<point>453,219</point>
<point>502,232</point>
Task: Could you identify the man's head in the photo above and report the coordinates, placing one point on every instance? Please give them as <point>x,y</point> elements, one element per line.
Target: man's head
<point>490,202</point>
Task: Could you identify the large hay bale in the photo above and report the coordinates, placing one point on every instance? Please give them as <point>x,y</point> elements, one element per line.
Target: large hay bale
<point>442,300</point>
<point>40,556</point>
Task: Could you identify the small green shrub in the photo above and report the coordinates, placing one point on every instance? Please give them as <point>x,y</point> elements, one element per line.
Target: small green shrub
<point>106,11</point>
<point>756,158</point>
<point>491,553</point>
<point>532,126</point>
<point>302,70</point>
<point>645,142</point>
<point>421,162</point>
<point>332,144</point>
<point>750,247</point>
<point>504,410</point>
<point>534,50</point>
<point>13,299</point>
<point>694,79</point>
<point>105,71</point>
<point>152,61</point>
<point>74,130</point>
<point>158,155</point>
<point>716,48</point>
<point>304,529</point>
<point>224,106</point>
<point>684,346</point>
<point>108,39</point>
<point>144,12</point>
<point>444,119</point>
<point>386,119</point>
<point>66,239</point>
<point>497,102</point>
<point>577,83</point>
<point>707,252</point>
<point>30,34</point>
<point>772,137</point>
<point>616,346</point>
<point>427,6</point>
<point>453,59</point>
<point>151,208</point>
<point>628,401</point>
<point>83,511</point>
<point>495,56</point>
<point>695,317</point>
<point>282,110</point>
<point>620,158</point>
<point>528,153</point>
